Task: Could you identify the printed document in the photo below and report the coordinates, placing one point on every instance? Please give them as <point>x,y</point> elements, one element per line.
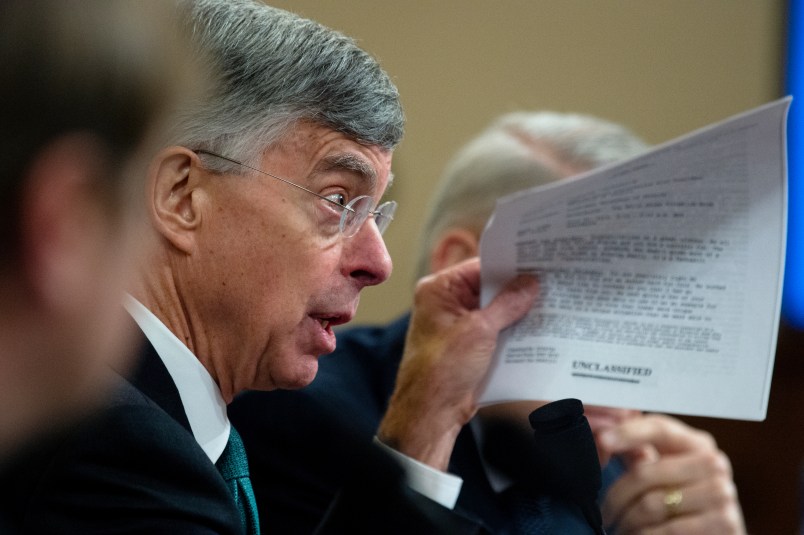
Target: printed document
<point>660,277</point>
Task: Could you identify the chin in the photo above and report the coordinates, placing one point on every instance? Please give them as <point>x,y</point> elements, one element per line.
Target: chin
<point>300,376</point>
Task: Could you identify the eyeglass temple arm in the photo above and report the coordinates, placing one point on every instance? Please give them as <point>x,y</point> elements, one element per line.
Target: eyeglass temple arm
<point>336,203</point>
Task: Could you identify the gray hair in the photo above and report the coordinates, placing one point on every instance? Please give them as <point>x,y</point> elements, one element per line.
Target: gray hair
<point>277,69</point>
<point>518,151</point>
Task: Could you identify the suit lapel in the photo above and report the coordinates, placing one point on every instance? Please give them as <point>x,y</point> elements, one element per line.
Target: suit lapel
<point>152,378</point>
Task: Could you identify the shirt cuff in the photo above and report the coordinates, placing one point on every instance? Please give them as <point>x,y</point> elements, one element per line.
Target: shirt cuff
<point>439,486</point>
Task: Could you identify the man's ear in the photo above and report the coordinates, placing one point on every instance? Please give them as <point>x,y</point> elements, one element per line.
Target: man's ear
<point>454,246</point>
<point>173,196</point>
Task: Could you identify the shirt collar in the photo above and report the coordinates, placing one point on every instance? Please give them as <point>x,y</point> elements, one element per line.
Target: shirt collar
<point>200,395</point>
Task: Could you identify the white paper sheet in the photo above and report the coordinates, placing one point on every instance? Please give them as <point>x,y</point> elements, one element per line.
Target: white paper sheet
<point>661,276</point>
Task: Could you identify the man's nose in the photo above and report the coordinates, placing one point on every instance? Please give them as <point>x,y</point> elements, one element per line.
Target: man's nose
<point>367,259</point>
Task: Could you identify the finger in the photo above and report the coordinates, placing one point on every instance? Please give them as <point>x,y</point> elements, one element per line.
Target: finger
<point>458,284</point>
<point>697,500</point>
<point>604,417</point>
<point>666,434</point>
<point>675,471</point>
<point>512,303</point>
<point>728,521</point>
<point>642,454</point>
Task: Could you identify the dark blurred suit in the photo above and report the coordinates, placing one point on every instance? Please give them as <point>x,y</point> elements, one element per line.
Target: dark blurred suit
<point>134,467</point>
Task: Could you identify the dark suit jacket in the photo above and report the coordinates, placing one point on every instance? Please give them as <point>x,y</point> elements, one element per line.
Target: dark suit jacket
<point>299,456</point>
<point>135,467</point>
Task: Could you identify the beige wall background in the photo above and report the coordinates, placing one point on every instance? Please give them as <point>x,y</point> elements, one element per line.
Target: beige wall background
<point>661,67</point>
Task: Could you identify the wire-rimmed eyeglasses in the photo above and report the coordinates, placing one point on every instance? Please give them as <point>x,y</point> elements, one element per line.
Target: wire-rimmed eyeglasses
<point>353,214</point>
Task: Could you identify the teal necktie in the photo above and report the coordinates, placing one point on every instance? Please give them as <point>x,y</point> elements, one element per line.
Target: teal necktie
<point>233,466</point>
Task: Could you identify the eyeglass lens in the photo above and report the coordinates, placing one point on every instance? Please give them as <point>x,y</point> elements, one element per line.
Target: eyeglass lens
<point>358,210</point>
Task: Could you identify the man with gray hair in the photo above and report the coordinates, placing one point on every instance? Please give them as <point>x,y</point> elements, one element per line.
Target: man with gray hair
<point>265,206</point>
<point>355,383</point>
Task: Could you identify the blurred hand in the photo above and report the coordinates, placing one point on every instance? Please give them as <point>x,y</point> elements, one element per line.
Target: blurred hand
<point>447,353</point>
<point>677,480</point>
<point>602,418</point>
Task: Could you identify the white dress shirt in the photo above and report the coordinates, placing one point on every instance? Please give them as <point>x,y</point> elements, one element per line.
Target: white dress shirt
<point>439,486</point>
<point>199,394</point>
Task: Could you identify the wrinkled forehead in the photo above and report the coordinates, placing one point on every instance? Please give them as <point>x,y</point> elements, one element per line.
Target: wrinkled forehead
<point>319,151</point>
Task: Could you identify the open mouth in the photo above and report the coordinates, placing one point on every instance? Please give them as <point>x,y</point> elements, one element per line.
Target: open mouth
<point>328,321</point>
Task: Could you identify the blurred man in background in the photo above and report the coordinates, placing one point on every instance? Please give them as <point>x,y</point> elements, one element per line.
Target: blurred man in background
<point>81,88</point>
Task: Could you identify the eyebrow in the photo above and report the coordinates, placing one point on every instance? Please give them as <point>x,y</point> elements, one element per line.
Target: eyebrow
<point>353,163</point>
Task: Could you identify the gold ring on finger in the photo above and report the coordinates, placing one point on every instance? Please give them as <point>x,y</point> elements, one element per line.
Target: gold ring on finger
<point>672,502</point>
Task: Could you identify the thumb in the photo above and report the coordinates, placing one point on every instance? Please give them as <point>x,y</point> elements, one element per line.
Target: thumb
<point>513,302</point>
